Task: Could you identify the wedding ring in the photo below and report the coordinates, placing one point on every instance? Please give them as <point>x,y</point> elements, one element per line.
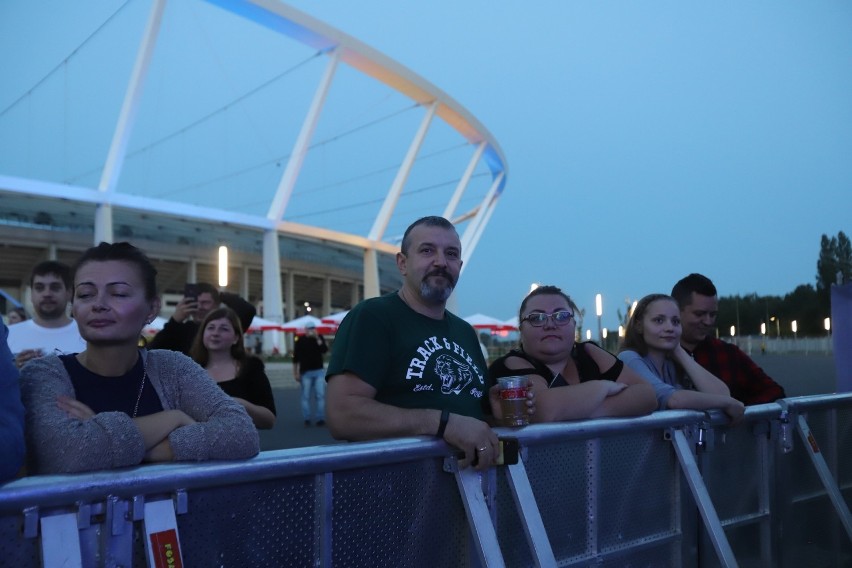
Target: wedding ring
<point>483,448</point>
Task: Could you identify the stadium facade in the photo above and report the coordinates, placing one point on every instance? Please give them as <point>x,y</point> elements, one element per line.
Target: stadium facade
<point>181,127</point>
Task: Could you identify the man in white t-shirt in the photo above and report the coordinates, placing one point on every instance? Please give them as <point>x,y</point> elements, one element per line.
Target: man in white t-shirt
<point>50,330</point>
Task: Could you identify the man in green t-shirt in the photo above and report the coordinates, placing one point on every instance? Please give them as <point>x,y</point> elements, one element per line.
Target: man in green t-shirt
<point>402,365</point>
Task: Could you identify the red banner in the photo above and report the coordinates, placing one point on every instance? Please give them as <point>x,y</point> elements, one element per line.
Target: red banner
<point>165,549</point>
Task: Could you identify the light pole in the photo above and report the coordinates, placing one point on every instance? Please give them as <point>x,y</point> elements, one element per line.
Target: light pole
<point>599,312</point>
<point>763,337</point>
<point>777,326</point>
<point>795,327</point>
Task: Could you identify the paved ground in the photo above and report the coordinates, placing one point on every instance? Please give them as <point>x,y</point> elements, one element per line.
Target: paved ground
<point>798,374</point>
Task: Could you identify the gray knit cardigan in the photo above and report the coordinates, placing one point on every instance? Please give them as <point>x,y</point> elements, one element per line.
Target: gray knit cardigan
<point>57,443</point>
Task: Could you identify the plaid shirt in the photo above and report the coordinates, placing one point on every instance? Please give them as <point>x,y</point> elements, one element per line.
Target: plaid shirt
<point>746,380</point>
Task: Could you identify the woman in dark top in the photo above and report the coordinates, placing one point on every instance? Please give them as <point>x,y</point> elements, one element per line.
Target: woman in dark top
<point>219,348</point>
<point>571,380</point>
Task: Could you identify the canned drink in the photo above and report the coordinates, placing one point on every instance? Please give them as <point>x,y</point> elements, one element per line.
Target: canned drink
<point>513,400</point>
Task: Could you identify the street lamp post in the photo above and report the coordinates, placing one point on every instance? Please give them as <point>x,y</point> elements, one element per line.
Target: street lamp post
<point>795,327</point>
<point>599,312</point>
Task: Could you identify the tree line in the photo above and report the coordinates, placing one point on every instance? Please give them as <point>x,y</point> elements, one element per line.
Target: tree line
<point>808,304</point>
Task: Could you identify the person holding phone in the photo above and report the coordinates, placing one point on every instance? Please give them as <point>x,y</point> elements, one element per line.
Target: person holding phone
<point>199,299</point>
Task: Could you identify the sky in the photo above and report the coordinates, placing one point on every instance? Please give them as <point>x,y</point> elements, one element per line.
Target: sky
<point>644,141</point>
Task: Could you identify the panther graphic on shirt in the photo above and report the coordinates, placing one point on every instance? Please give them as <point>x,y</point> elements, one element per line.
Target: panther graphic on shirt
<point>450,362</point>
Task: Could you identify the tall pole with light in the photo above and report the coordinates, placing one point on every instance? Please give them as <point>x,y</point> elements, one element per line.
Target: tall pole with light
<point>599,312</point>
<point>795,327</point>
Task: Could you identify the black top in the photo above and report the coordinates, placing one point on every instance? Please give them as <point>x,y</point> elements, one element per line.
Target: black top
<point>112,394</point>
<point>307,352</point>
<point>251,384</point>
<point>586,366</point>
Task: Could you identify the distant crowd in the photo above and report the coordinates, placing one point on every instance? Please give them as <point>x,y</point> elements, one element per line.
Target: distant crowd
<point>80,393</point>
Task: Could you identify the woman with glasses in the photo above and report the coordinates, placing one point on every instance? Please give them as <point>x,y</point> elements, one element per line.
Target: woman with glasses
<point>571,380</point>
<point>652,348</point>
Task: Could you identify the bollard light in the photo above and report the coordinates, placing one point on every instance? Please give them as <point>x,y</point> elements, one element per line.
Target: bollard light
<point>733,331</point>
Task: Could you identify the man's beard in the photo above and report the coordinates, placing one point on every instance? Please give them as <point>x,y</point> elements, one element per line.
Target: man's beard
<point>437,294</point>
<point>56,311</point>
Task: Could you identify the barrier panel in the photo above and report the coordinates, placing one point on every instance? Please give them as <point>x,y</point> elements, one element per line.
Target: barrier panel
<point>676,488</point>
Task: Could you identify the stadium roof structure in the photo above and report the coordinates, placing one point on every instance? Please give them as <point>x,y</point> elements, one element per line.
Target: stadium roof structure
<point>247,123</point>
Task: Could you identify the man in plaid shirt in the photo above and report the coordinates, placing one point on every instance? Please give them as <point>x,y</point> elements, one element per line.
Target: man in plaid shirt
<point>699,306</point>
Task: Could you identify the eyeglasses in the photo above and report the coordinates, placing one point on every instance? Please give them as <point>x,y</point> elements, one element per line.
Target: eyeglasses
<point>538,319</point>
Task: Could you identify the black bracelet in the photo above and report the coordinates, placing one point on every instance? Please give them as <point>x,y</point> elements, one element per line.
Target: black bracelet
<point>445,417</point>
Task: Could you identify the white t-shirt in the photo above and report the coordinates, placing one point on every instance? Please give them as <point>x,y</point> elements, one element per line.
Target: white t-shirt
<point>29,335</point>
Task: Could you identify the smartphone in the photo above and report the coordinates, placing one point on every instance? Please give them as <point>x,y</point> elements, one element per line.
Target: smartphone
<point>190,290</point>
<point>508,453</point>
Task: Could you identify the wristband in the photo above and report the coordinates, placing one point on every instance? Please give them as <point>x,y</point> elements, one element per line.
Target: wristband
<point>442,426</point>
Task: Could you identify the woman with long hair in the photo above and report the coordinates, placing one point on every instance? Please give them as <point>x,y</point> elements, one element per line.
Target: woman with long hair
<point>571,380</point>
<point>114,404</point>
<point>219,348</point>
<point>652,348</point>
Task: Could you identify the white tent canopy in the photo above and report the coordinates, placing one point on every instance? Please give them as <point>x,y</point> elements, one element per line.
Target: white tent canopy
<point>335,319</point>
<point>482,321</point>
<point>260,324</point>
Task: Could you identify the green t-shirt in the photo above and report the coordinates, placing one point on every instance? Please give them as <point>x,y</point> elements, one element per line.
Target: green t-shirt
<point>413,361</point>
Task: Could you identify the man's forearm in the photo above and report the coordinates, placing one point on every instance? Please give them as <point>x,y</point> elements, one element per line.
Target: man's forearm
<point>362,418</point>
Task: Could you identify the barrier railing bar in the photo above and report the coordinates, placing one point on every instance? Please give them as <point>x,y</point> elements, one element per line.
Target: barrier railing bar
<point>625,550</point>
<point>478,516</point>
<point>766,489</point>
<point>825,476</point>
<point>593,479</point>
<point>702,499</point>
<point>525,503</point>
<point>118,526</point>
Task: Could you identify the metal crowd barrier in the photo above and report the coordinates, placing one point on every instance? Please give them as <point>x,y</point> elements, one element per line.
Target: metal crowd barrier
<point>676,488</point>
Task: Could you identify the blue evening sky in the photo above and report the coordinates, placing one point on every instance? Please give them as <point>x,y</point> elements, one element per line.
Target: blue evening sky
<point>645,140</point>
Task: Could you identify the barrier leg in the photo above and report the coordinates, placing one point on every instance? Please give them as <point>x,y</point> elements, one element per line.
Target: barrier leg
<point>60,541</point>
<point>702,499</point>
<point>527,508</point>
<point>470,487</point>
<point>825,474</point>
